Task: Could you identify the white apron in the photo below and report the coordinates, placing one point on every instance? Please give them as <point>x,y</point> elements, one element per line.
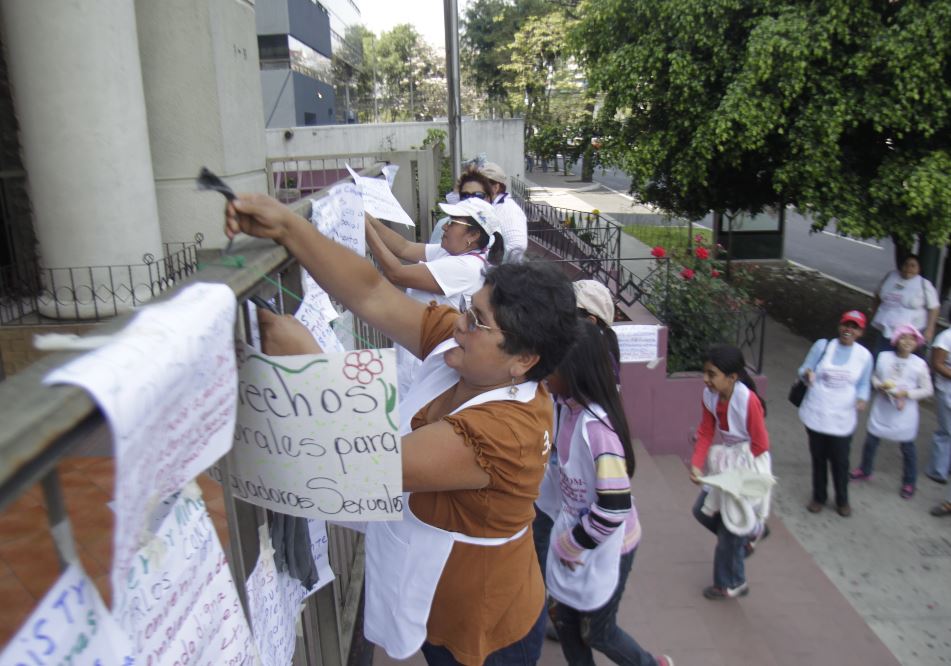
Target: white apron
<point>829,405</point>
<point>405,559</point>
<point>740,515</point>
<point>885,419</point>
<point>591,584</point>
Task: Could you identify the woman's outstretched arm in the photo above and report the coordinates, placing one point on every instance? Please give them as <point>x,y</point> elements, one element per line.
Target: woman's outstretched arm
<point>347,277</point>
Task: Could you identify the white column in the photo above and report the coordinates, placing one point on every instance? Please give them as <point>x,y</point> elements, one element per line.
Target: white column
<point>77,90</point>
<point>203,93</point>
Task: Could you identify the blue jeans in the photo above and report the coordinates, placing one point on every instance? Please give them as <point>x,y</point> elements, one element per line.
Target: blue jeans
<point>523,652</point>
<point>582,632</point>
<point>541,532</point>
<point>941,440</point>
<point>728,558</point>
<point>908,453</point>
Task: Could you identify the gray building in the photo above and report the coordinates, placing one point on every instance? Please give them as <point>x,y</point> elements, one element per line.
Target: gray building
<point>295,48</point>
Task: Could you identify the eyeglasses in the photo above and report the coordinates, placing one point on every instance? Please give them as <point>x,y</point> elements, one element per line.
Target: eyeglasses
<point>454,220</point>
<point>472,321</point>
<point>468,195</point>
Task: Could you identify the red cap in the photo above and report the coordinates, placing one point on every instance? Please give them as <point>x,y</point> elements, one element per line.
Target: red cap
<point>855,317</point>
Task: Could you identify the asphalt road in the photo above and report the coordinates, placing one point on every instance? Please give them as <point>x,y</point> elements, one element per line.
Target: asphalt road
<point>861,263</point>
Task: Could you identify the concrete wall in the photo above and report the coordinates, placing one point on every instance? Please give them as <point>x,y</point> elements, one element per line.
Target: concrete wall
<point>277,96</point>
<point>312,96</point>
<point>203,91</point>
<point>501,140</point>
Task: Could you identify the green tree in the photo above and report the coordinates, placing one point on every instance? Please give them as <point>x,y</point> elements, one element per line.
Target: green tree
<point>406,68</point>
<point>840,107</point>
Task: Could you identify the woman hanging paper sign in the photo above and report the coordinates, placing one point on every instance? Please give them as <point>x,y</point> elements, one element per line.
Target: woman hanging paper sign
<point>317,435</point>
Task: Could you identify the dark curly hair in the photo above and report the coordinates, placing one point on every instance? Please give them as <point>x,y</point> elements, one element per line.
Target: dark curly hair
<point>534,304</point>
<point>472,174</point>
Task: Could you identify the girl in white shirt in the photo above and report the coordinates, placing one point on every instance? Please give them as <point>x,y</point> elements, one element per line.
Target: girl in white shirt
<point>900,380</point>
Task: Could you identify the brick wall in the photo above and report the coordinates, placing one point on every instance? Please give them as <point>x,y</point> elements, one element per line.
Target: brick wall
<point>16,344</point>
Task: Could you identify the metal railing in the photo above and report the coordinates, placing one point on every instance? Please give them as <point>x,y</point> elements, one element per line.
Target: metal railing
<point>592,244</point>
<point>92,293</point>
<point>42,424</point>
<point>290,179</point>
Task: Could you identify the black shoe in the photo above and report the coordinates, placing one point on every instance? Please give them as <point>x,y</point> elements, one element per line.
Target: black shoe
<point>936,478</point>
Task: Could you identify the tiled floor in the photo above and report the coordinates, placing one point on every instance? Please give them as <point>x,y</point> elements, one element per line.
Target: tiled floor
<point>28,561</point>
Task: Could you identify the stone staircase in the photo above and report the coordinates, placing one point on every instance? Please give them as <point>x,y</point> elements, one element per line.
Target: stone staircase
<point>793,615</point>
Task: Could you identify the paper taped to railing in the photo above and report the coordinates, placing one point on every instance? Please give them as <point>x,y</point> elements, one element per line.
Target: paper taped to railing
<point>178,603</point>
<point>316,312</point>
<point>317,435</point>
<point>339,216</point>
<point>319,550</point>
<point>166,384</point>
<point>274,601</point>
<point>69,626</point>
<point>379,201</point>
<point>637,342</point>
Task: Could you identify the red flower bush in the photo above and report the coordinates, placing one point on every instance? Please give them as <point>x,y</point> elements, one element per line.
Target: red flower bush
<point>702,253</point>
<point>687,274</point>
<point>659,252</point>
<point>714,273</point>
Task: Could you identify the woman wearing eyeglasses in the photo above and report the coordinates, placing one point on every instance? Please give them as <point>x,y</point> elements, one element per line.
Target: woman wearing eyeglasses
<point>458,575</point>
<point>471,184</point>
<point>442,273</point>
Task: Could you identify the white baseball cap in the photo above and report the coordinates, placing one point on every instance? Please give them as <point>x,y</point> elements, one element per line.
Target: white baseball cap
<point>478,210</point>
<point>595,298</point>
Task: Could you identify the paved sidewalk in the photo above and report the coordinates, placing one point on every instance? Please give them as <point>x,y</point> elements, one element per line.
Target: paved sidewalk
<point>891,560</point>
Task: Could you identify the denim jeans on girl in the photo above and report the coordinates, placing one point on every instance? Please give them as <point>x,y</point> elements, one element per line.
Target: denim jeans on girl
<point>582,632</point>
<point>728,566</point>
<point>909,457</point>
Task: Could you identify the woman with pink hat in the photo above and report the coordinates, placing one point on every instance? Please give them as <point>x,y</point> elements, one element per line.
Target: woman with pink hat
<point>900,380</point>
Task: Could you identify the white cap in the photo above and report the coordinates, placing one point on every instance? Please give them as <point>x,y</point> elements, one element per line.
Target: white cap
<point>493,171</point>
<point>595,298</point>
<point>478,210</point>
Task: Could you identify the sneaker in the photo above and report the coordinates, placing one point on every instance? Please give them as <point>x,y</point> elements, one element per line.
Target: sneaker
<point>751,544</point>
<point>664,660</point>
<point>907,491</point>
<point>715,593</point>
<point>858,474</point>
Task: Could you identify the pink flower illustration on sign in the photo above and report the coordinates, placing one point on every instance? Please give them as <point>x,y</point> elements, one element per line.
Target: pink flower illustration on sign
<point>362,366</point>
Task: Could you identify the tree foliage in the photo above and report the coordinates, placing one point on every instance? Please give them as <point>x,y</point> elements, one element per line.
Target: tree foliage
<point>838,106</point>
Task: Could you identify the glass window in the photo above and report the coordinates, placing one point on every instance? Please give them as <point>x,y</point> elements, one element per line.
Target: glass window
<point>308,62</point>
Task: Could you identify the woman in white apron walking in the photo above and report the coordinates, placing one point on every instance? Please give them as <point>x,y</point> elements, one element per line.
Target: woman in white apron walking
<point>900,380</point>
<point>838,373</point>
<point>588,490</point>
<point>458,576</point>
<point>731,435</point>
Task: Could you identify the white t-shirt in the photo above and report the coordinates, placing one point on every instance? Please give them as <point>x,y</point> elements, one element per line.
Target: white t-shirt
<point>513,226</point>
<point>943,341</point>
<point>457,275</point>
<point>904,302</point>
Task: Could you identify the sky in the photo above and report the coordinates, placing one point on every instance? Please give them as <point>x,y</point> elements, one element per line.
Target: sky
<point>425,15</point>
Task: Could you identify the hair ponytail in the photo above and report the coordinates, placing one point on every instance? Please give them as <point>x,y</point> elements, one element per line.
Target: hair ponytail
<point>588,373</point>
<point>729,360</point>
<point>497,251</point>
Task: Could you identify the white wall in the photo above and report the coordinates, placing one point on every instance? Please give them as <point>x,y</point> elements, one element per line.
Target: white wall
<point>502,141</point>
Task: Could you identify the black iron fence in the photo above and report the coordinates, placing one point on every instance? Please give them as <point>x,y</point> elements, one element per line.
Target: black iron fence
<point>92,293</point>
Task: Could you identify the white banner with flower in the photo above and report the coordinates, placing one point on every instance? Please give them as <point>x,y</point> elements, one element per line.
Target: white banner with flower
<point>316,435</point>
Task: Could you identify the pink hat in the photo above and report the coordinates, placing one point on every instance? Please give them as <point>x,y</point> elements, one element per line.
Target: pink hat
<point>907,329</point>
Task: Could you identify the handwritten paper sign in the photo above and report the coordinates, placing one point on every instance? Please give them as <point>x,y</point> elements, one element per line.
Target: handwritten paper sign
<point>379,200</point>
<point>319,551</point>
<point>339,216</point>
<point>316,312</point>
<point>317,435</point>
<point>637,342</point>
<point>70,626</point>
<point>167,387</point>
<point>274,601</point>
<point>389,172</point>
<point>178,602</point>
